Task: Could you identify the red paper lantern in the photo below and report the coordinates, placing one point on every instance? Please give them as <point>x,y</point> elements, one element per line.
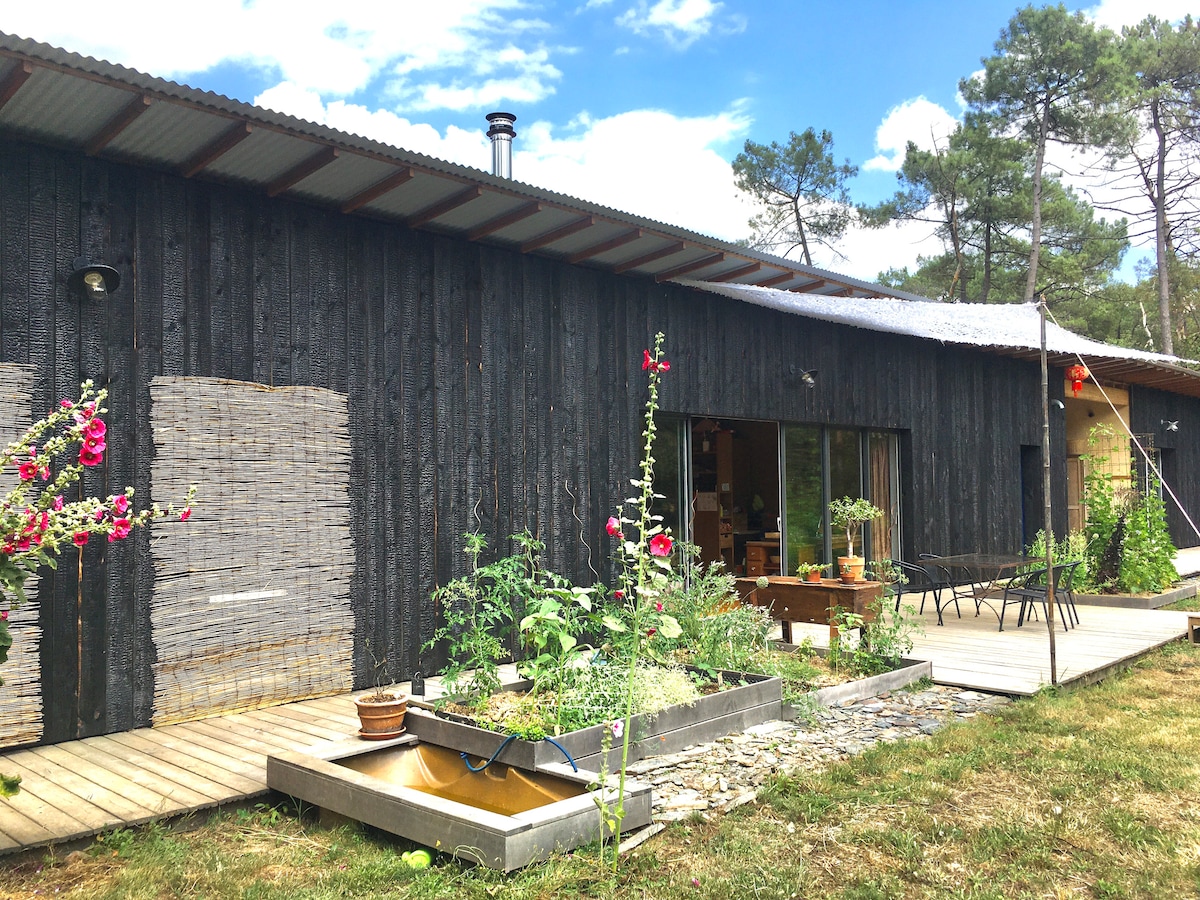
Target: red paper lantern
<point>1076,374</point>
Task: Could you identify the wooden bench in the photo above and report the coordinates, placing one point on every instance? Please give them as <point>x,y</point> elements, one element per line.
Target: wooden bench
<point>791,599</point>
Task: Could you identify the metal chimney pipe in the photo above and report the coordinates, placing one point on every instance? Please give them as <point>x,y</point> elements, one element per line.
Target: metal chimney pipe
<point>501,132</point>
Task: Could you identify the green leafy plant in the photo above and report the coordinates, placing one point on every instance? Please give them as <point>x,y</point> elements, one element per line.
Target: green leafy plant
<point>805,569</point>
<point>850,514</point>
<point>478,611</point>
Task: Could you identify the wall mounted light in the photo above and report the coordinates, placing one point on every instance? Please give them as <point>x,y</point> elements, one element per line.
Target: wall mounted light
<point>1169,424</point>
<point>1058,403</point>
<point>95,281</point>
<point>809,377</point>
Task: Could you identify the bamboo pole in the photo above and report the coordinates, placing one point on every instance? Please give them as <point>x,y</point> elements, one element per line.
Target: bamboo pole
<point>1049,530</point>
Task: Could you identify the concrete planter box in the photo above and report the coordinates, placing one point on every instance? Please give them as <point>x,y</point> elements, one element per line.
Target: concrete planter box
<point>752,700</point>
<point>1153,601</point>
<point>326,776</point>
<point>908,672</point>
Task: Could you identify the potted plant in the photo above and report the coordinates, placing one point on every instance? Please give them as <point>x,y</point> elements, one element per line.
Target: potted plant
<point>850,514</point>
<point>810,571</point>
<point>381,714</point>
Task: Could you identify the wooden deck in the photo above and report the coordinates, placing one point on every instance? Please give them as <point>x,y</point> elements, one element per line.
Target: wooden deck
<point>81,788</point>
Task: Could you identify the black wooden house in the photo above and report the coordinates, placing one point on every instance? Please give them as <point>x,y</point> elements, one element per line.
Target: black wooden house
<point>358,354</point>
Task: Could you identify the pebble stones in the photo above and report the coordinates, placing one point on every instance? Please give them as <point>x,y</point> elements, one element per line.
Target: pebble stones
<point>728,772</point>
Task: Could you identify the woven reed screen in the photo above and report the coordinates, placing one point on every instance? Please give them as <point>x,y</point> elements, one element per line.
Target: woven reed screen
<point>251,602</point>
<point>21,695</point>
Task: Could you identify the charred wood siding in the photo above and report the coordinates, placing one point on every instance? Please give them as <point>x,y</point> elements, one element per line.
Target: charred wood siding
<point>487,390</point>
<point>1148,409</point>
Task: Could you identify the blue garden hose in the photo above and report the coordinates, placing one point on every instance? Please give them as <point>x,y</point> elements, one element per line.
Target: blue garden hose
<point>508,740</point>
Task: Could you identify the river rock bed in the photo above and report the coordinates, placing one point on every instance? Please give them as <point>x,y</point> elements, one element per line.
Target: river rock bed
<point>726,773</point>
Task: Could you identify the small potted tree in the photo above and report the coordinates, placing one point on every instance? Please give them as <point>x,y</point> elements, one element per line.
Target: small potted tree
<point>850,514</point>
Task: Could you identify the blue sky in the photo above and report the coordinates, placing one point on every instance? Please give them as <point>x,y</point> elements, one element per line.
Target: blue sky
<point>636,104</point>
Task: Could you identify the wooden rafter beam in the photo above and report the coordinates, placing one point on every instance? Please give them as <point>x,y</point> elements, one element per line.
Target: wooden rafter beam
<point>557,234</point>
<point>378,189</point>
<point>454,201</point>
<point>776,279</point>
<point>118,123</point>
<point>737,273</point>
<point>813,285</point>
<point>206,156</point>
<point>509,218</point>
<point>695,265</point>
<point>302,170</point>
<point>13,80</point>
<point>604,246</point>
<point>660,253</point>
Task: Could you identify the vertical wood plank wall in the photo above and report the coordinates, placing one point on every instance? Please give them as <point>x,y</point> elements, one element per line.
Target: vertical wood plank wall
<point>487,390</point>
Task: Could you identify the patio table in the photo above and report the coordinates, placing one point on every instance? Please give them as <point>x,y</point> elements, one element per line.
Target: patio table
<point>983,570</point>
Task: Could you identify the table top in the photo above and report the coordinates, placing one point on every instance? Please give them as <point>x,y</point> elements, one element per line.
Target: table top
<point>998,561</point>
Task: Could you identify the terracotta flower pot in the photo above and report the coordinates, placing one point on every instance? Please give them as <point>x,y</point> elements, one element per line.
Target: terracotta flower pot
<point>381,715</point>
<point>855,565</point>
<point>814,575</point>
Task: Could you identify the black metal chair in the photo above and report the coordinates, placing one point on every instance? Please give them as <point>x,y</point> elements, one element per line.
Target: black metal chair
<point>1064,587</point>
<point>959,586</point>
<point>919,580</point>
<point>1026,587</point>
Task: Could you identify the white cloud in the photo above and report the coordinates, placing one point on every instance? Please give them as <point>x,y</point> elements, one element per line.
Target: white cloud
<point>868,251</point>
<point>337,49</point>
<point>1116,14</point>
<point>681,22</point>
<point>646,162</point>
<point>918,120</point>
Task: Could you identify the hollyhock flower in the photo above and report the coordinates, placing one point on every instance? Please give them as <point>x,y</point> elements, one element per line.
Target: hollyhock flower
<point>79,538</point>
<point>4,616</point>
<point>95,428</point>
<point>65,403</point>
<point>660,545</point>
<point>186,514</point>
<point>658,606</point>
<point>27,470</point>
<point>100,514</point>
<point>120,529</point>
<point>89,457</point>
<point>120,503</point>
<point>614,527</point>
<point>618,594</point>
<point>650,632</point>
<point>618,729</point>
<point>94,443</point>
<point>648,363</point>
<point>23,544</point>
<point>58,503</point>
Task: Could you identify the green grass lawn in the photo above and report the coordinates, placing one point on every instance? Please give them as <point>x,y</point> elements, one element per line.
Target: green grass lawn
<point>1093,793</point>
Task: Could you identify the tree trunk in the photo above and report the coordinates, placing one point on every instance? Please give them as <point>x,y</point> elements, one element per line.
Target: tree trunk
<point>1160,229</point>
<point>1035,237</point>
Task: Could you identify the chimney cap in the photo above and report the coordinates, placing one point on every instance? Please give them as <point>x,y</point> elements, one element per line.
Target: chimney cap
<point>502,123</point>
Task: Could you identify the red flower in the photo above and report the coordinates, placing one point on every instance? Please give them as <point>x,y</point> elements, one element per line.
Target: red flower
<point>4,615</point>
<point>660,545</point>
<point>95,428</point>
<point>120,503</point>
<point>650,632</point>
<point>27,470</point>
<point>186,514</point>
<point>618,594</point>
<point>65,403</point>
<point>120,529</point>
<point>658,606</point>
<point>614,527</point>
<point>80,538</point>
<point>648,363</point>
<point>58,503</point>
<point>89,457</point>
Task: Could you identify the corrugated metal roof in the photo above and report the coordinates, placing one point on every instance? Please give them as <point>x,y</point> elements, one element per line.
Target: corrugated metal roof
<point>50,95</point>
<point>1005,329</point>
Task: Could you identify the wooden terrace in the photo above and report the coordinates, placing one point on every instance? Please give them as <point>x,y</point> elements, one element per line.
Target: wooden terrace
<point>77,789</point>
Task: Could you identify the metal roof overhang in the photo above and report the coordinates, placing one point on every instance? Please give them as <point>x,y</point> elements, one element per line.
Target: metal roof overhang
<point>1118,371</point>
<point>54,97</point>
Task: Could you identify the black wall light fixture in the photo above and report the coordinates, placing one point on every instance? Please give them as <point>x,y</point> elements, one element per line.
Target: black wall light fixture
<point>809,377</point>
<point>94,281</point>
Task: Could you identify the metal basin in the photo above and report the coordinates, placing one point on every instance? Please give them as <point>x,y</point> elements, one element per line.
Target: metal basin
<point>504,817</point>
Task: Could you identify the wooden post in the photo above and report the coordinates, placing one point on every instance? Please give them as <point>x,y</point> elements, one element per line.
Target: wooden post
<point>1046,494</point>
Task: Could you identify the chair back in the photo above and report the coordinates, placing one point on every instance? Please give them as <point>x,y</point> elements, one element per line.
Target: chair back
<point>1064,576</point>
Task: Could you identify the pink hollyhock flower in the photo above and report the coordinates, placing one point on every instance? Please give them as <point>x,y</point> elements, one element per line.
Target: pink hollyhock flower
<point>23,544</point>
<point>660,545</point>
<point>120,530</point>
<point>95,428</point>
<point>186,514</point>
<point>58,503</point>
<point>79,538</point>
<point>4,616</point>
<point>647,363</point>
<point>95,443</point>
<point>120,503</point>
<point>89,457</point>
<point>618,728</point>
<point>100,514</point>
<point>614,527</point>
<point>658,606</point>
<point>27,470</point>
<point>618,594</point>
<point>65,403</point>
<point>9,548</point>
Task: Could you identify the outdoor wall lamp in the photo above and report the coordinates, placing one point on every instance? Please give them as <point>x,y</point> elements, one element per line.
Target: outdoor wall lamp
<point>1169,424</point>
<point>94,281</point>
<point>809,377</point>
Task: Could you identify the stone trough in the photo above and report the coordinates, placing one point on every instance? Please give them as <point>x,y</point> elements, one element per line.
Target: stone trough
<point>503,817</point>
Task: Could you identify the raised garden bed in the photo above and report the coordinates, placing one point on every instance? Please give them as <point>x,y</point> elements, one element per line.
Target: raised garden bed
<point>908,672</point>
<point>747,700</point>
<point>1138,601</point>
